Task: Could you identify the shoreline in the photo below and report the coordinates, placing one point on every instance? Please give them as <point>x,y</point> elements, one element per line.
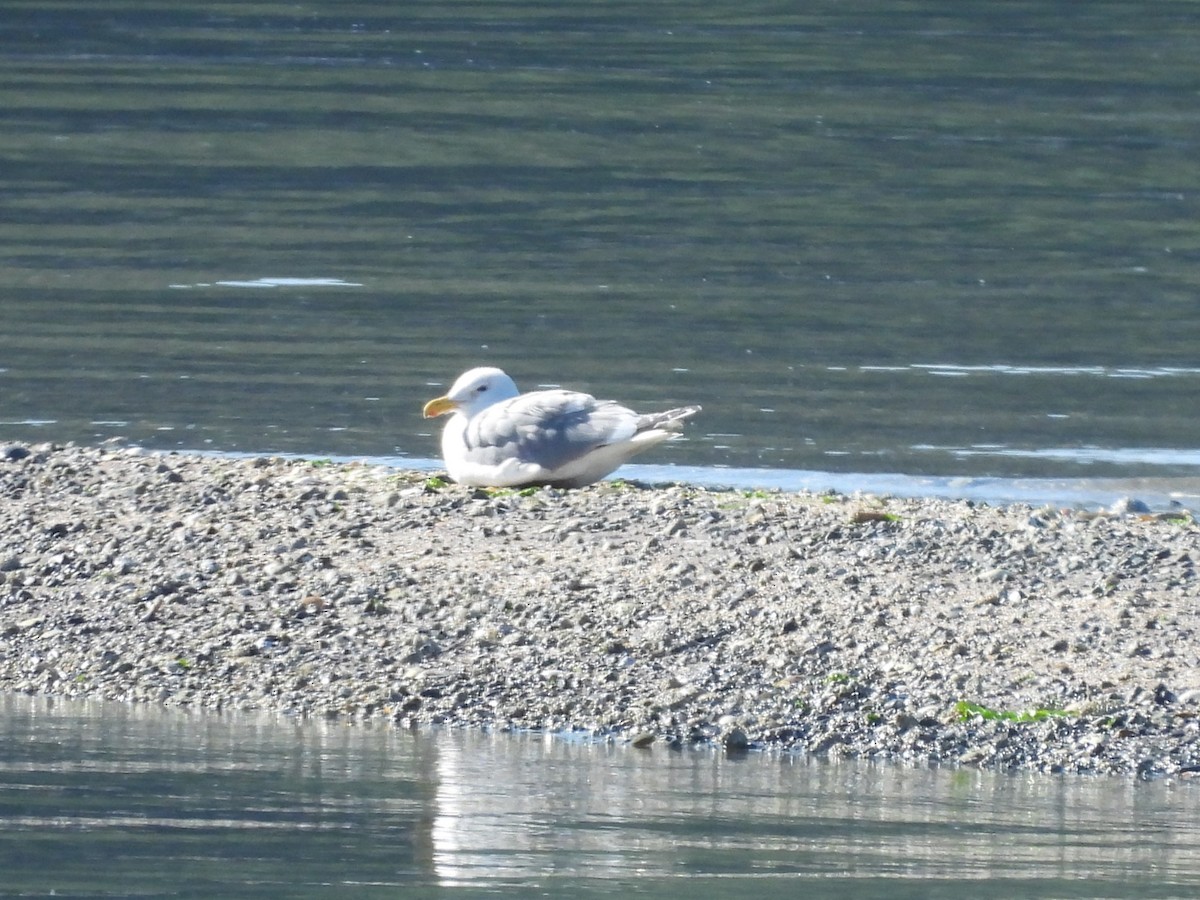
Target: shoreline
<point>920,630</point>
<point>1159,492</point>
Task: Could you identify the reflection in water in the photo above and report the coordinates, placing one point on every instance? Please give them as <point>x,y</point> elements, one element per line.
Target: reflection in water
<point>105,799</point>
<point>523,810</point>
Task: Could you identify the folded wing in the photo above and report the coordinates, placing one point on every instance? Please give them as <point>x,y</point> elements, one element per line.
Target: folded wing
<point>548,430</point>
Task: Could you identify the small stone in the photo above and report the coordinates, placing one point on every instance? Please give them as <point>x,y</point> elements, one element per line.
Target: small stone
<point>974,756</point>
<point>677,526</point>
<point>1148,768</point>
<point>1128,506</point>
<point>735,740</point>
<point>928,716</point>
<point>642,739</point>
<point>1164,696</point>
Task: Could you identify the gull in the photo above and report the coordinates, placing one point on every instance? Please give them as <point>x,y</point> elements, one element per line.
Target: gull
<point>499,437</point>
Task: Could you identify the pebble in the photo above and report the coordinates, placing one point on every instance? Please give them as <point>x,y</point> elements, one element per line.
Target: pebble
<point>927,631</point>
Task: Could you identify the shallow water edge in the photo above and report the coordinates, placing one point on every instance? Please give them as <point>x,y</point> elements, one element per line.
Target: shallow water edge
<point>1082,493</point>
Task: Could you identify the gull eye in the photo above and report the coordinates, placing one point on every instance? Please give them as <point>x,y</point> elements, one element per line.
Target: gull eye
<point>481,388</point>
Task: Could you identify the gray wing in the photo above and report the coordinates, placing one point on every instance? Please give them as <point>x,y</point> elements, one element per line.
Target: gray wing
<point>547,428</point>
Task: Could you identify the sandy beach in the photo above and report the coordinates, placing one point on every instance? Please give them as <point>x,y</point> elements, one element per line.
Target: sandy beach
<point>1012,637</point>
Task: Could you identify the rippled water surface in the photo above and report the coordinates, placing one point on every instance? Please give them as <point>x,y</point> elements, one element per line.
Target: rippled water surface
<point>923,239</point>
<point>100,800</point>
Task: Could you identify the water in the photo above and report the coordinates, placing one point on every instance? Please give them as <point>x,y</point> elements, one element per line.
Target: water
<point>921,247</point>
<point>110,800</point>
<point>944,240</point>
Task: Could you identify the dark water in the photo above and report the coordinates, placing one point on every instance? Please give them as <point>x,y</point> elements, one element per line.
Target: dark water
<point>927,238</point>
<point>100,800</point>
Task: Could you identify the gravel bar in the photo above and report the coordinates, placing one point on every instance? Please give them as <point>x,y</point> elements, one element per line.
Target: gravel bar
<point>923,630</point>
